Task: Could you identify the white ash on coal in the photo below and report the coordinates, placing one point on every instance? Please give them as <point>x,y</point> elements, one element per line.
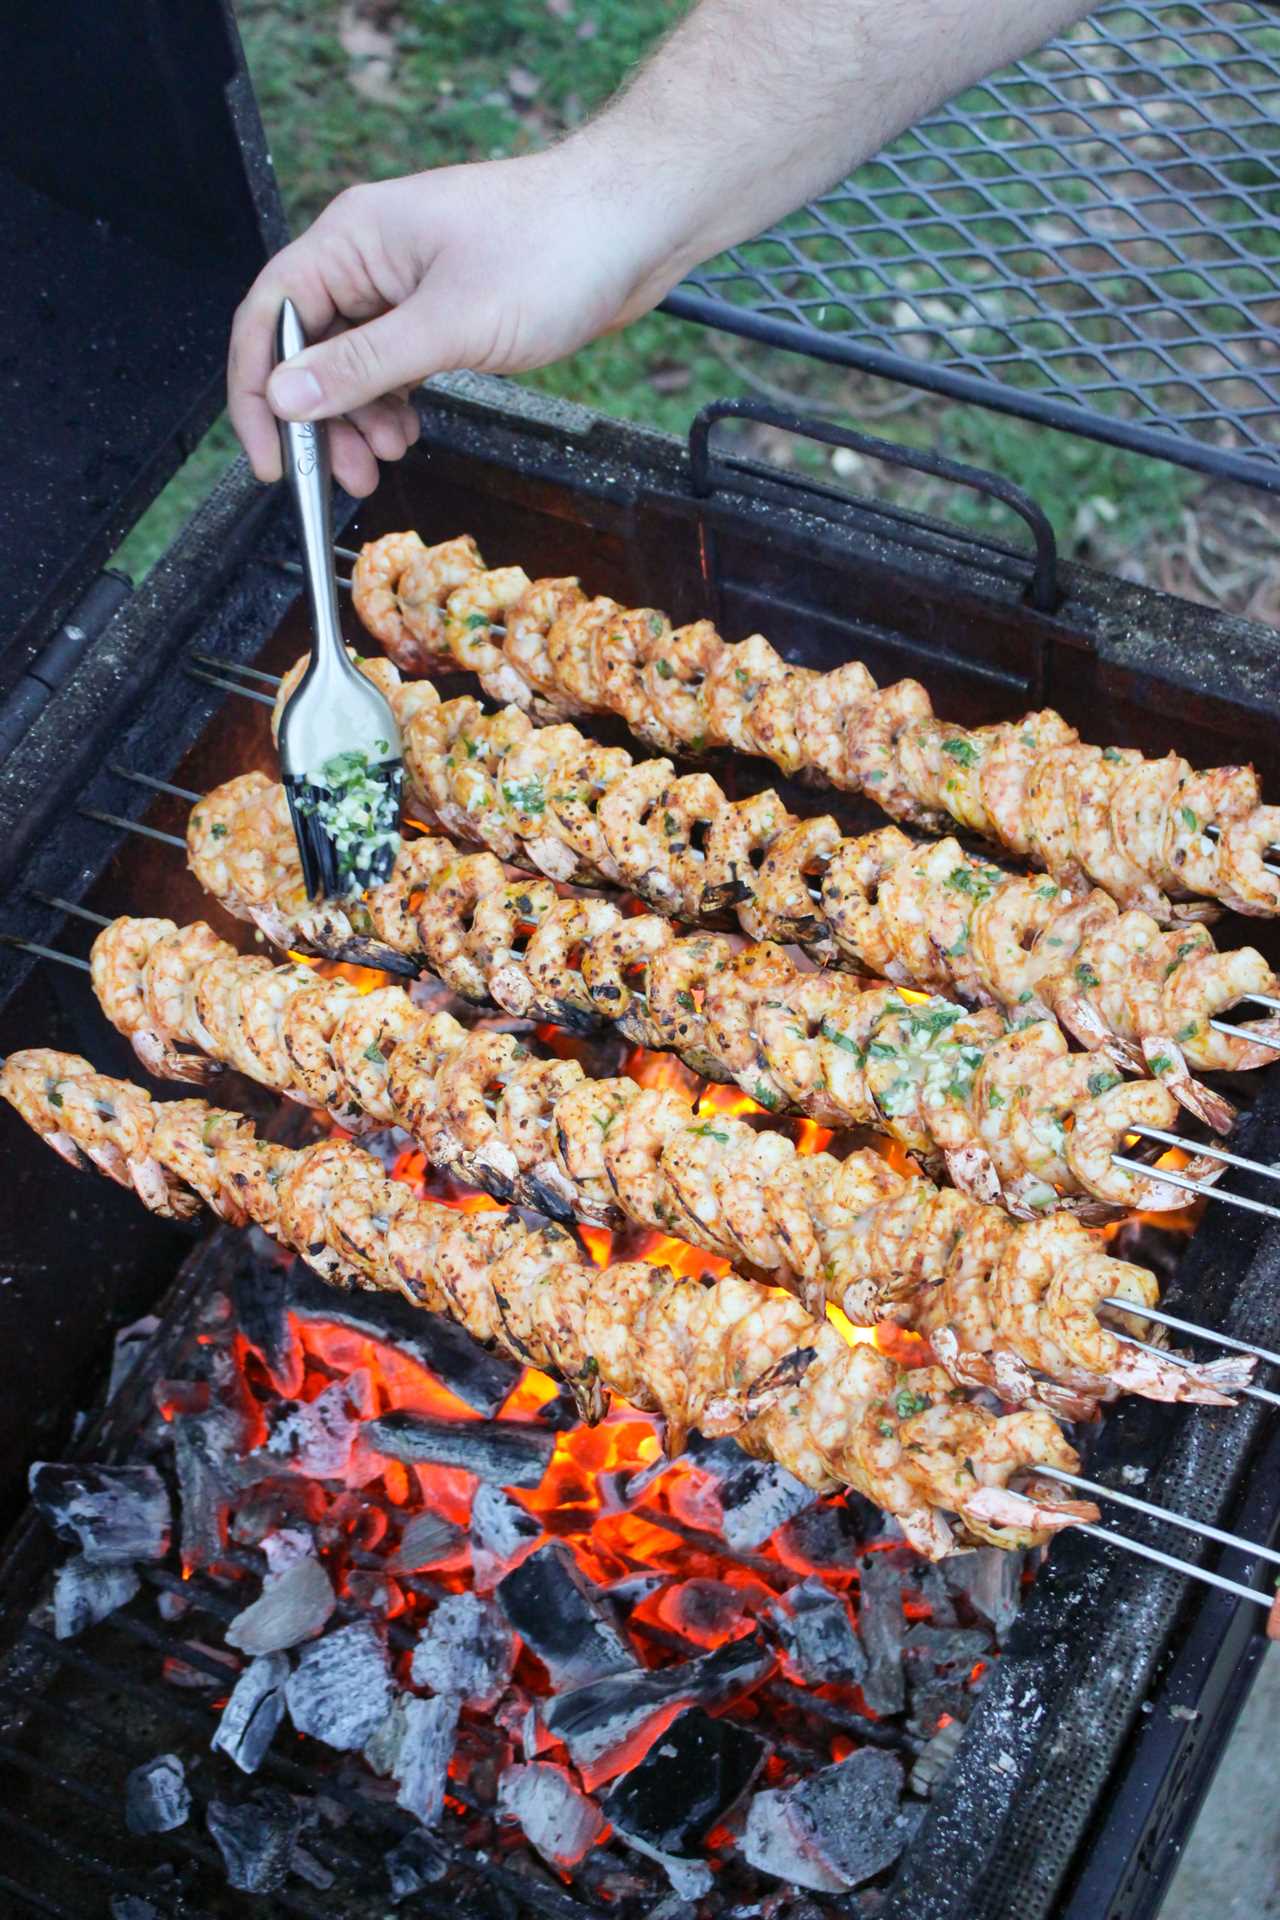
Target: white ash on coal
<point>157,1798</point>
<point>508,1454</point>
<point>341,1689</point>
<point>295,1604</point>
<point>429,1540</point>
<point>816,1631</point>
<point>836,1829</point>
<point>598,1720</point>
<point>84,1594</point>
<point>414,1745</point>
<point>253,1711</point>
<point>502,1534</point>
<point>316,1436</point>
<point>115,1515</point>
<point>558,1819</point>
<point>755,1497</point>
<point>467,1650</point>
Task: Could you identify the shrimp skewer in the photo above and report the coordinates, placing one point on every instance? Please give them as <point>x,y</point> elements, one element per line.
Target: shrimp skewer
<point>732,1356</point>
<point>1007,1302</point>
<point>820,1043</point>
<point>1135,827</point>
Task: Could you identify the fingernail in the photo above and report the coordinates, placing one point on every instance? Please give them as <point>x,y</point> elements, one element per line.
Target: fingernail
<point>294,392</point>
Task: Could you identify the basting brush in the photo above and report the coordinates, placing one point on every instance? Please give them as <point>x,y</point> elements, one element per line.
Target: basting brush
<point>340,752</point>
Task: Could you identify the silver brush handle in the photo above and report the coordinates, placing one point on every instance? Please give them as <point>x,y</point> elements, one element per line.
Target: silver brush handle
<point>304,449</point>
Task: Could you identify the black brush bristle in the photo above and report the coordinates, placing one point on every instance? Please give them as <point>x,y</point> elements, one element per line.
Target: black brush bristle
<point>325,872</point>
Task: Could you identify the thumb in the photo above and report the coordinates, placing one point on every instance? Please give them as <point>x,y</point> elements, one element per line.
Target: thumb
<point>354,367</point>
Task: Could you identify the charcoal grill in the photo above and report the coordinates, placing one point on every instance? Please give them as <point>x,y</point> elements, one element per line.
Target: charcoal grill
<point>1099,1727</point>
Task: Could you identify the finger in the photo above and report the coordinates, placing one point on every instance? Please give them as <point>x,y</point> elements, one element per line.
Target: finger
<point>354,466</point>
<point>361,365</point>
<point>384,427</point>
<point>312,273</point>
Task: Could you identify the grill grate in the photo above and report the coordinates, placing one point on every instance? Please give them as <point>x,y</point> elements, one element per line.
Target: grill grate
<point>1087,240</point>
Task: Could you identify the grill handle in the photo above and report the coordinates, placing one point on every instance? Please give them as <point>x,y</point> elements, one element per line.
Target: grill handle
<point>1044,592</point>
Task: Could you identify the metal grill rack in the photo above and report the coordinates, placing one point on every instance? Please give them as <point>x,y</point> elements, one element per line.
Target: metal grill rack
<point>1088,240</point>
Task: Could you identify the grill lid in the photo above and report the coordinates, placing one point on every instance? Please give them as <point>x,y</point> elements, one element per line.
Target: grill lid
<point>137,202</point>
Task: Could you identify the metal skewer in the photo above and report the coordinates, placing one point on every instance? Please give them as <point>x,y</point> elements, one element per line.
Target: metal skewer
<point>1194,1186</point>
<point>149,780</point>
<point>44,953</point>
<point>1175,1325</point>
<point>1171,1562</point>
<point>236,666</point>
<point>230,686</point>
<point>1202,1527</point>
<point>1186,1361</point>
<point>134,826</point>
<point>69,906</point>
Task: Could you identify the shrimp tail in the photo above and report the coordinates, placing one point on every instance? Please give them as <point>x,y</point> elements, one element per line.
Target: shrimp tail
<point>1157,1378</point>
<point>1002,1507</point>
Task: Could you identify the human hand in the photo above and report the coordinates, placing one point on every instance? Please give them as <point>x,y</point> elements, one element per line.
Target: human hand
<point>499,266</point>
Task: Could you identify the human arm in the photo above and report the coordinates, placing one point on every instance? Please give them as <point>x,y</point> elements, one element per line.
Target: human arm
<point>746,110</point>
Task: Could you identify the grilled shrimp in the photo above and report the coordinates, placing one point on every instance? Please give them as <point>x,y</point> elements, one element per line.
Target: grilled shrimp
<point>377,577</point>
<point>473,626</point>
<point>209,827</point>
<point>673,683</point>
<point>554,957</point>
<point>425,586</point>
<point>263,1000</point>
<point>1247,881</point>
<point>827,715</point>
<point>1099,1134</point>
<point>630,817</point>
<point>873,752</point>
<point>307,1026</point>
<point>530,778</point>
<point>169,976</point>
<point>117,962</point>
<point>1203,985</point>
<point>1071,1307</point>
<point>788,888</point>
<point>529,621</point>
<point>444,920</point>
<point>735,678</point>
<point>364,1040</point>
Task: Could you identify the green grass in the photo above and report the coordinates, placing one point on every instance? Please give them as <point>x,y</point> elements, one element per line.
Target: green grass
<point>458,90</point>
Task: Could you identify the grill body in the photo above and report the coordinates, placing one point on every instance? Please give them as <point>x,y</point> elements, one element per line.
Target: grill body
<point>1067,1798</point>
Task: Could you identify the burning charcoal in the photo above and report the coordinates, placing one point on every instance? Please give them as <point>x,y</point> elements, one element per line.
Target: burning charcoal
<point>704,1611</point>
<point>947,1646</point>
<point>936,1703</point>
<point>755,1496</point>
<point>502,1534</point>
<point>114,1514</point>
<point>255,1838</point>
<point>770,1843</point>
<point>828,1535</point>
<point>991,1579</point>
<point>422,1765</point>
<point>341,1690</point>
<point>882,1629</point>
<point>687,1781</point>
<point>205,1451</point>
<point>562,1618</point>
<point>690,1879</point>
<point>504,1452</point>
<point>373,1592</point>
<point>835,1829</point>
<point>127,1349</point>
<point>316,1436</point>
<point>427,1541</point>
<point>83,1594</point>
<point>938,1755</point>
<point>558,1820</point>
<point>294,1606</point>
<point>171,1605</point>
<point>129,1906</point>
<point>481,1380</point>
<point>466,1649</point>
<point>259,1289</point>
<point>594,1720</point>
<point>380,1749</point>
<point>814,1626</point>
<point>156,1796</point>
<point>416,1863</point>
<point>850,1814</point>
<point>254,1711</point>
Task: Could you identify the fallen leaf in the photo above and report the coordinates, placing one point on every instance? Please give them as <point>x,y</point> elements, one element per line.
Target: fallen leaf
<point>371,51</point>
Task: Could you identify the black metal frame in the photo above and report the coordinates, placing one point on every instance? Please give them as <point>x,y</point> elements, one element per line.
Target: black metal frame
<point>1068,243</point>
